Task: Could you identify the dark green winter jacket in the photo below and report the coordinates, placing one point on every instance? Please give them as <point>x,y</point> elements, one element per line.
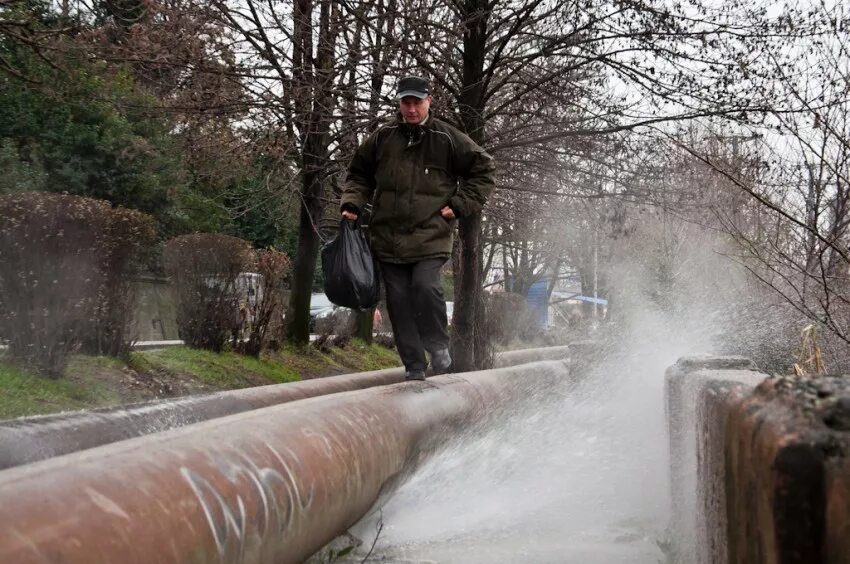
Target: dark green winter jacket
<point>412,171</point>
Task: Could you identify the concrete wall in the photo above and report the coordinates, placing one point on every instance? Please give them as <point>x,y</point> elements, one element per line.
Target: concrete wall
<point>685,384</point>
<point>760,466</point>
<point>155,313</point>
<point>711,522</point>
<point>787,448</point>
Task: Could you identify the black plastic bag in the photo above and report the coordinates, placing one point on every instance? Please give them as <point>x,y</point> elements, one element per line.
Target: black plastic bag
<point>351,274</point>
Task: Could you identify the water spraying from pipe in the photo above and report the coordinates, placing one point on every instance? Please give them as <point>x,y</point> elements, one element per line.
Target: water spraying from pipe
<point>581,478</point>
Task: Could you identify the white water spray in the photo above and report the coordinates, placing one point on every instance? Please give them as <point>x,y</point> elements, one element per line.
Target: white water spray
<point>581,479</point>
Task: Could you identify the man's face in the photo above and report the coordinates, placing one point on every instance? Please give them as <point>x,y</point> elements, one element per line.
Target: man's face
<point>414,109</point>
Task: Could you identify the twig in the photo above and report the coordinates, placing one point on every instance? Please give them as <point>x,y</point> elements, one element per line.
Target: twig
<point>380,527</point>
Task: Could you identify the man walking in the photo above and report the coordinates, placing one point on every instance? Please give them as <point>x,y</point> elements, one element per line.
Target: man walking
<point>421,174</point>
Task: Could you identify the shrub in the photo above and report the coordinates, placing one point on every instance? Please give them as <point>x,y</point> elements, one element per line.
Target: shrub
<point>509,318</point>
<point>385,340</point>
<point>341,321</point>
<point>129,235</point>
<point>204,268</point>
<point>60,256</point>
<point>265,309</point>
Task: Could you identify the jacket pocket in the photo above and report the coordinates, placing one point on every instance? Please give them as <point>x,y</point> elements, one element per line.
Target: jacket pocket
<point>449,223</point>
<point>433,229</point>
<point>438,181</point>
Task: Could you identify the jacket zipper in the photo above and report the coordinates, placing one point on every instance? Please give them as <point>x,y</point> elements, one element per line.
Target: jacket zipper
<point>414,169</point>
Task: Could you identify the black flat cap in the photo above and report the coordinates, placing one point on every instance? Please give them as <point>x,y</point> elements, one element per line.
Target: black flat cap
<point>413,86</point>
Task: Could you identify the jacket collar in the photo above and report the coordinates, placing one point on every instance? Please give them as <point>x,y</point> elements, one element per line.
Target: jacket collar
<point>424,124</point>
<point>414,133</point>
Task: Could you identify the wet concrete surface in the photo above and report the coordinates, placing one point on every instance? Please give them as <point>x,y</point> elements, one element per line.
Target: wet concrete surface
<point>587,548</point>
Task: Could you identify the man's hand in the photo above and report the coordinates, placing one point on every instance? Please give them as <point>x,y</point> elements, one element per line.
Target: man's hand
<point>349,215</point>
<point>447,212</point>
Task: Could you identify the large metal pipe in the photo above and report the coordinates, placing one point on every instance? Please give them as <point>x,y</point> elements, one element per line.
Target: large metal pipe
<point>524,356</point>
<point>31,439</point>
<point>37,438</point>
<point>269,485</point>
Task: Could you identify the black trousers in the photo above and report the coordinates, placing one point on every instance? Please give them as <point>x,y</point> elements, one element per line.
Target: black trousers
<point>417,309</point>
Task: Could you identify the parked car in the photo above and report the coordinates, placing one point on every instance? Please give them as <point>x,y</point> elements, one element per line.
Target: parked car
<point>320,306</point>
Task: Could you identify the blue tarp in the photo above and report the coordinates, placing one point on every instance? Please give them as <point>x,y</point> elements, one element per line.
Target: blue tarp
<point>558,296</point>
<point>538,303</point>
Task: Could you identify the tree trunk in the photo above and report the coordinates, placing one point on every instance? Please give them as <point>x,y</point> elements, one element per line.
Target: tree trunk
<point>470,348</point>
<point>363,325</point>
<point>463,320</point>
<point>470,345</point>
<point>298,324</point>
<point>314,101</point>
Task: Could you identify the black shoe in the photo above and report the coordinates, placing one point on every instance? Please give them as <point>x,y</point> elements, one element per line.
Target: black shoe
<point>441,361</point>
<point>416,374</point>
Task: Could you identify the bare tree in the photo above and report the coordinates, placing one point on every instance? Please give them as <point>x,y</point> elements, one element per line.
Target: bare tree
<point>532,74</point>
<point>293,62</point>
<point>789,167</point>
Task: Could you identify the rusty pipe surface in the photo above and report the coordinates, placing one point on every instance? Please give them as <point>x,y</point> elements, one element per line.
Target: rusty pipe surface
<point>31,439</point>
<point>37,438</point>
<point>271,485</point>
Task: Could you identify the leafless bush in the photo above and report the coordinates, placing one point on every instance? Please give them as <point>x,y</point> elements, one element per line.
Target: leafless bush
<point>265,308</point>
<point>509,318</point>
<point>64,264</point>
<point>341,321</point>
<point>204,268</point>
<point>129,234</point>
<point>325,343</point>
<point>766,329</point>
<point>385,340</point>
